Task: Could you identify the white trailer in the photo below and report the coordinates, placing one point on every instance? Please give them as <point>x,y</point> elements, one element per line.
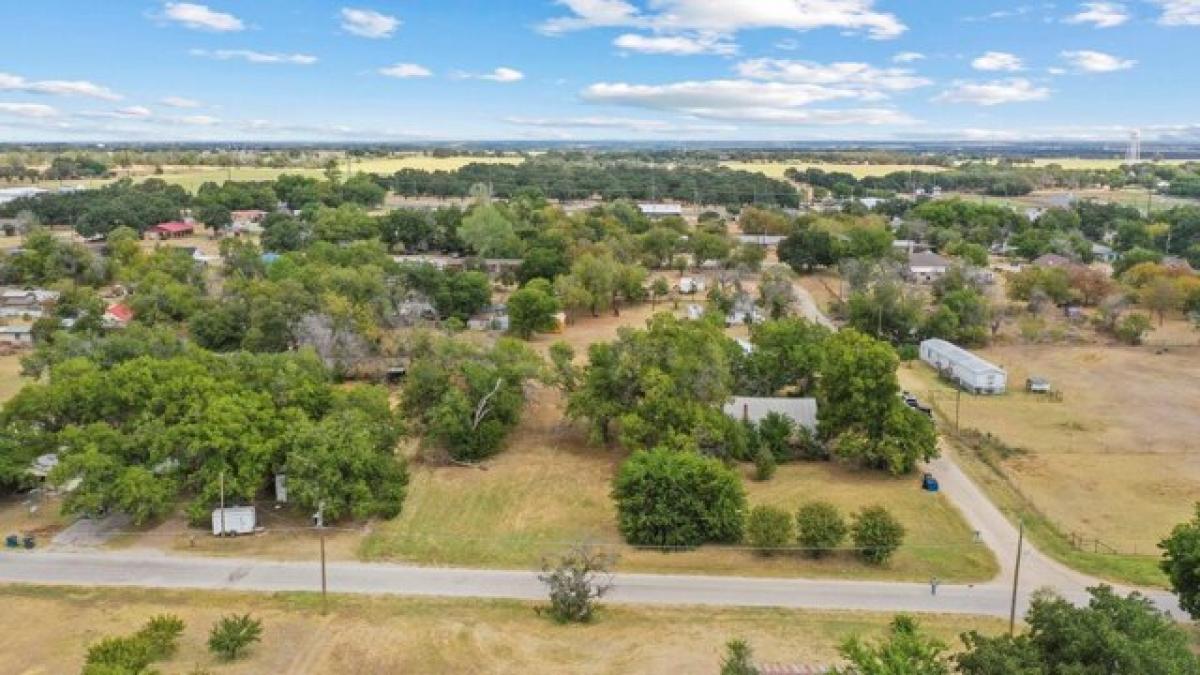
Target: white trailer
<point>964,368</point>
<point>690,285</point>
<point>233,520</point>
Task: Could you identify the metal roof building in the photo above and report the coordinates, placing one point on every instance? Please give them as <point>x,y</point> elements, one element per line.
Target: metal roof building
<point>966,369</point>
<point>802,411</point>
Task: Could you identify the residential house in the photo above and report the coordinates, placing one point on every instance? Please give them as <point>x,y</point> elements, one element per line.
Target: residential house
<point>802,411</point>
<point>16,334</point>
<point>926,267</point>
<point>117,315</point>
<point>1104,254</point>
<point>654,211</point>
<point>1053,260</point>
<point>172,230</point>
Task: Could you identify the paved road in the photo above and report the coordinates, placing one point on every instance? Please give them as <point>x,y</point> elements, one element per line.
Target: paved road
<point>152,569</point>
<point>159,570</point>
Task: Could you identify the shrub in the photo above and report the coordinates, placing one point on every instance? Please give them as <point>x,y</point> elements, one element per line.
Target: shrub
<point>161,634</point>
<point>1132,328</point>
<point>775,434</point>
<point>231,635</point>
<point>877,534</point>
<point>132,654</point>
<point>768,528</point>
<point>576,581</point>
<point>820,528</point>
<point>764,464</point>
<point>678,498</point>
<point>738,659</point>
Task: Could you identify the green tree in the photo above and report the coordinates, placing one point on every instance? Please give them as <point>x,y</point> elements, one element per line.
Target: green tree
<point>531,309</point>
<point>820,528</point>
<point>1181,563</point>
<point>487,232</point>
<point>678,498</point>
<point>232,635</point>
<point>1112,634</point>
<point>576,580</point>
<point>905,651</point>
<point>768,528</point>
<point>877,534</point>
<point>775,434</point>
<point>347,222</point>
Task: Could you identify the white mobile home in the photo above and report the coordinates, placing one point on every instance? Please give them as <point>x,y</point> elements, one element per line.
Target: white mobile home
<point>966,369</point>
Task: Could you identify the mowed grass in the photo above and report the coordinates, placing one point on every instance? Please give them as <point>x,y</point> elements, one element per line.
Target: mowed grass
<point>192,177</point>
<point>550,489</point>
<point>47,630</point>
<point>777,169</point>
<point>1116,460</point>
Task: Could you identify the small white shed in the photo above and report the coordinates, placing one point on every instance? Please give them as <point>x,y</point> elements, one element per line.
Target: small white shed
<point>234,520</point>
<point>966,369</point>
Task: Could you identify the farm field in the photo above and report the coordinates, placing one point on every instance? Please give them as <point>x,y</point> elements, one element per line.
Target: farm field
<point>1114,462</point>
<point>192,177</point>
<point>1084,163</point>
<point>776,169</point>
<point>47,630</point>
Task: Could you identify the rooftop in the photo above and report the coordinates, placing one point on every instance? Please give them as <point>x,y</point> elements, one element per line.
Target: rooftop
<point>802,411</point>
<point>960,356</point>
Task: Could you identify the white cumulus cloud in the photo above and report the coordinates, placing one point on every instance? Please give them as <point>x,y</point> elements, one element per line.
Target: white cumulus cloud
<point>201,17</point>
<point>908,57</point>
<point>252,56</point>
<point>133,112</point>
<point>1096,62</point>
<point>998,61</point>
<point>870,80</point>
<point>28,110</point>
<point>1100,14</point>
<point>405,71</point>
<point>83,88</point>
<point>744,100</point>
<point>368,23</point>
<point>501,74</point>
<point>1179,12</point>
<point>729,17</point>
<point>677,45</point>
<point>996,92</point>
<point>179,102</point>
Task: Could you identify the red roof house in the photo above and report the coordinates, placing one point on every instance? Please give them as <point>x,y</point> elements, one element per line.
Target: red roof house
<point>172,230</point>
<point>118,313</point>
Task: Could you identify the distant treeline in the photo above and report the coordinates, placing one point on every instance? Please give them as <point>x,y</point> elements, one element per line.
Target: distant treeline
<point>565,180</point>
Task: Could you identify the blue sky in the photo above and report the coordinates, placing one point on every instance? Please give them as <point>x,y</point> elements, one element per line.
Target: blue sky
<point>414,70</point>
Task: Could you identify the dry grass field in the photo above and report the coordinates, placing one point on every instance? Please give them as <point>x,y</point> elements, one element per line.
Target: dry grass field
<point>776,169</point>
<point>550,487</point>
<point>10,376</point>
<point>47,630</point>
<point>1080,163</point>
<point>192,177</point>
<point>1117,458</point>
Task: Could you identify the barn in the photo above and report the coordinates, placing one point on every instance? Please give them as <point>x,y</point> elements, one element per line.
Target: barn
<point>966,369</point>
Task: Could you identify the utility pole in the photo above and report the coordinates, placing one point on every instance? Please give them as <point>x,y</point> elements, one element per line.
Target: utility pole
<point>222,502</point>
<point>321,529</point>
<point>1012,611</point>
